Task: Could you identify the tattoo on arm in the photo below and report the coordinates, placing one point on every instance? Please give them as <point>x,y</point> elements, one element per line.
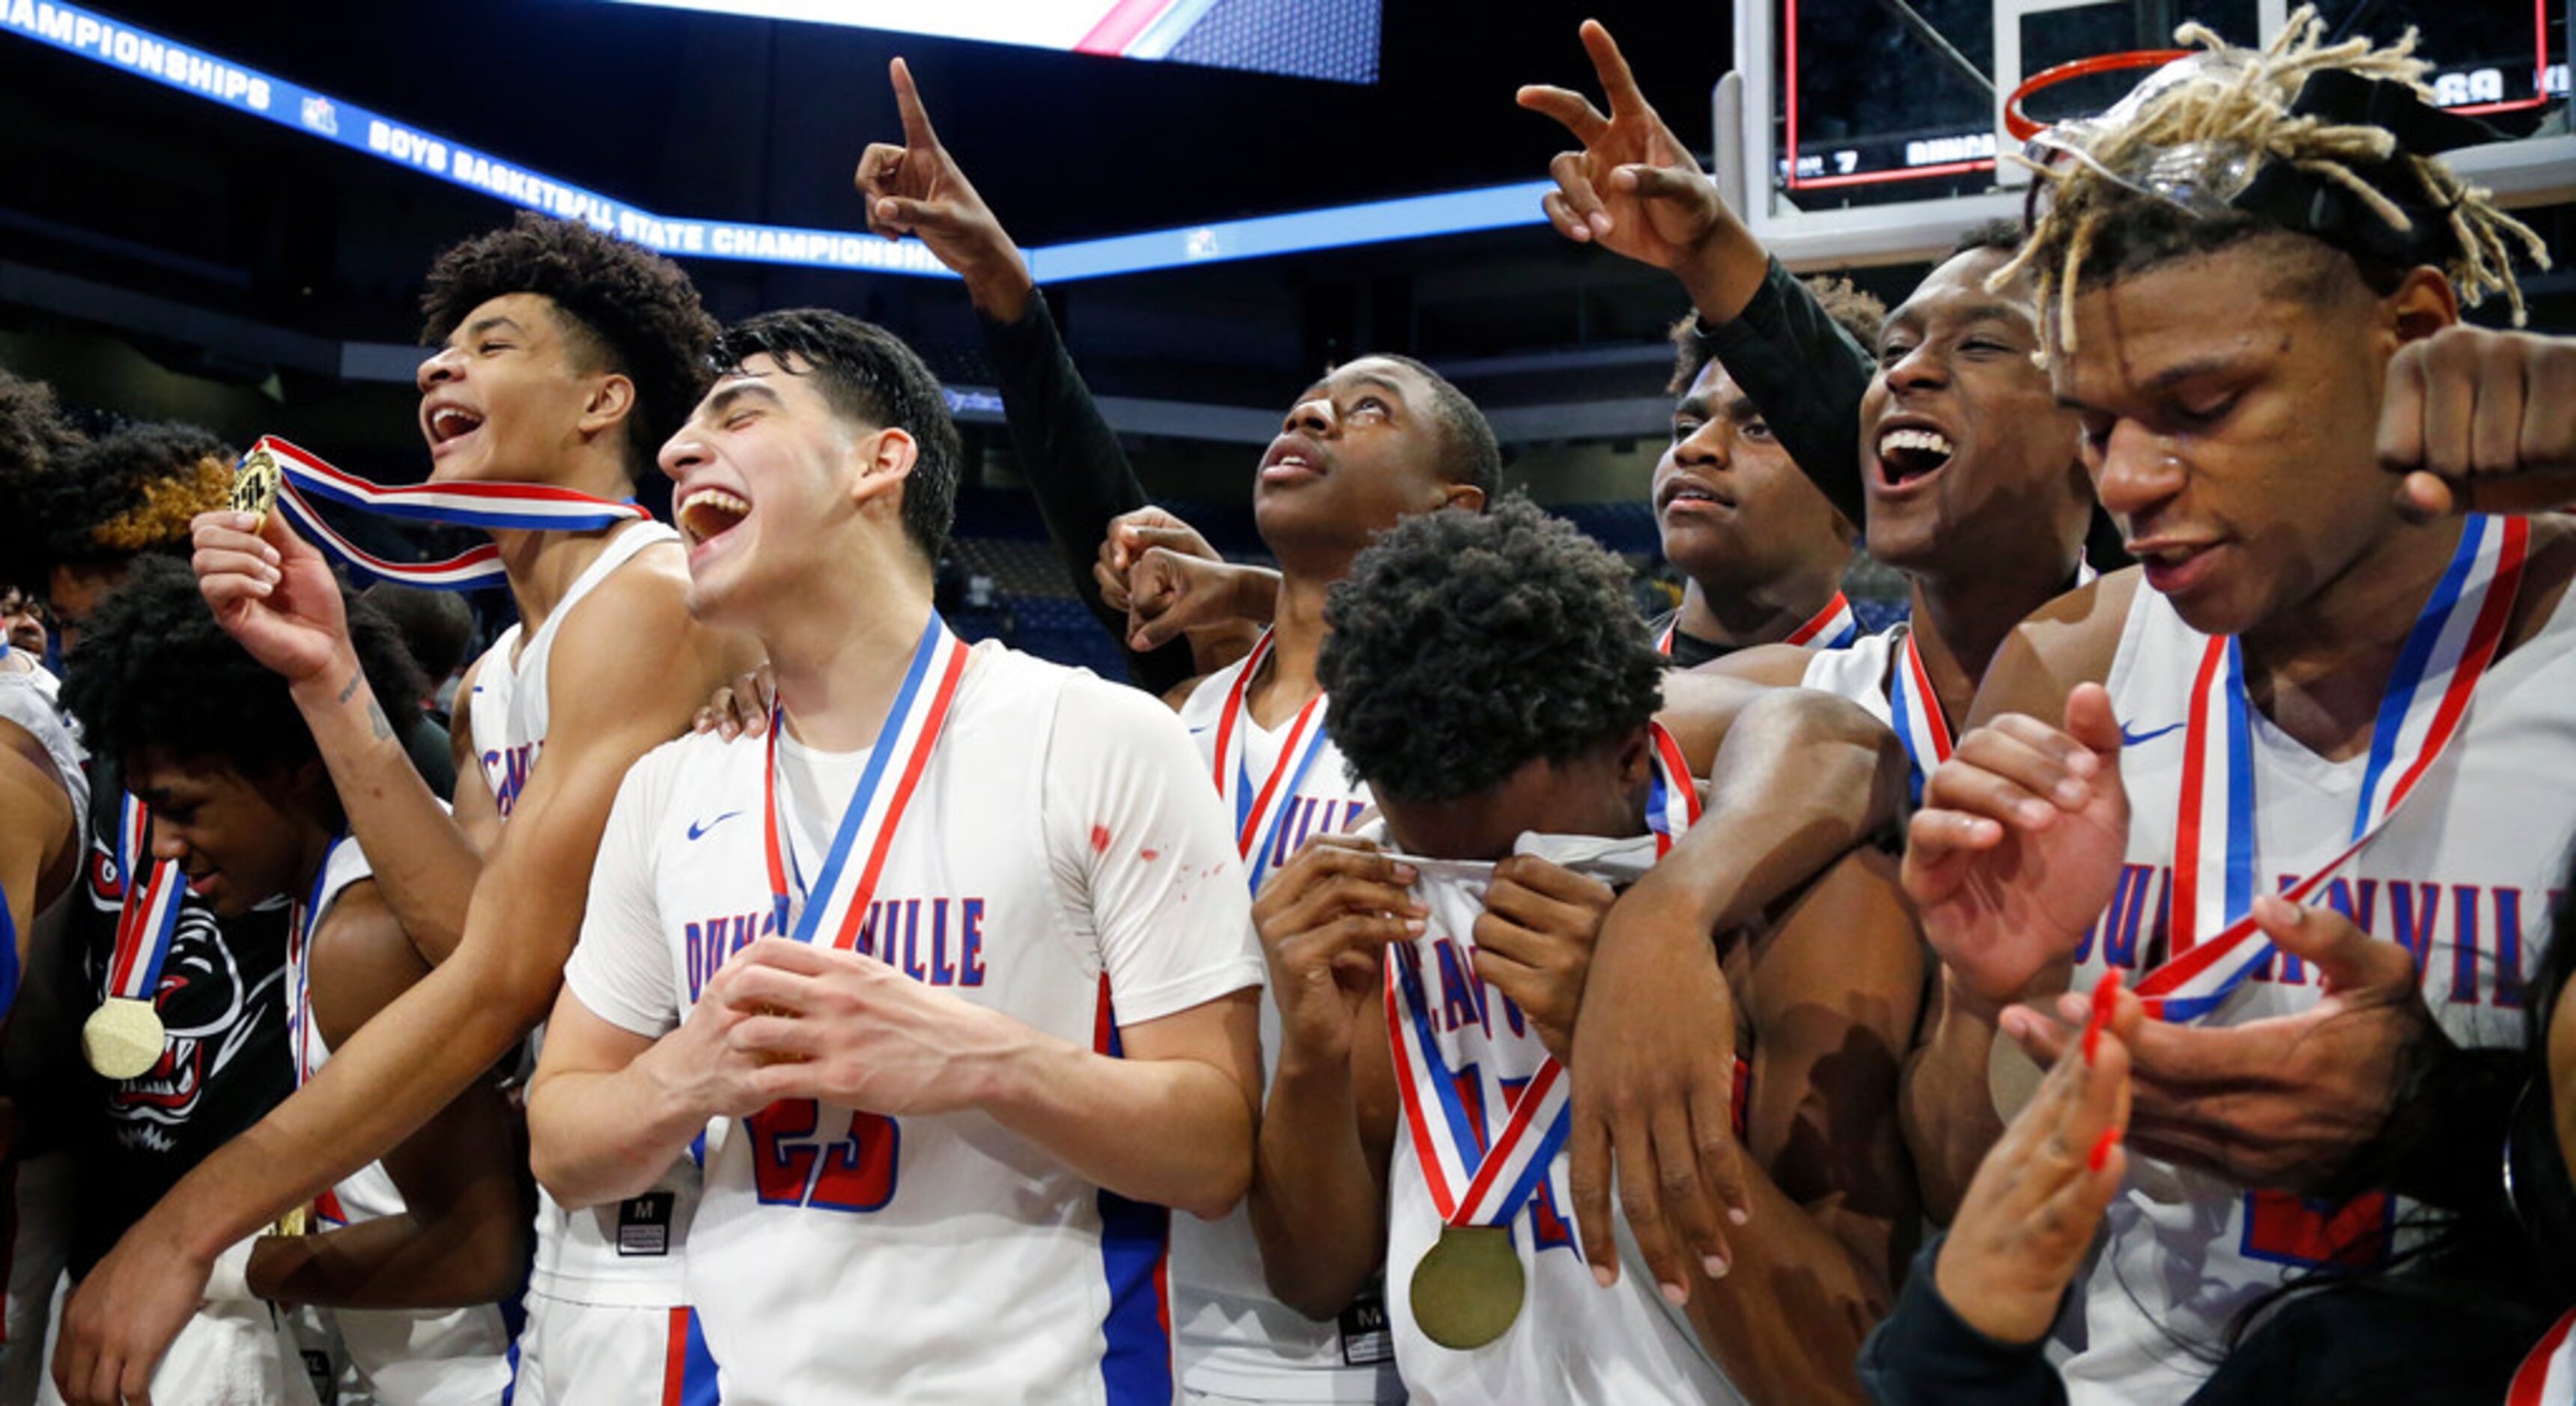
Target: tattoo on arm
<point>383,726</point>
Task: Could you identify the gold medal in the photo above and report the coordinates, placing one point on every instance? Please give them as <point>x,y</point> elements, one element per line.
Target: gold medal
<point>256,485</point>
<point>294,1222</point>
<point>2012,1077</point>
<point>123,1038</point>
<point>1467,1287</point>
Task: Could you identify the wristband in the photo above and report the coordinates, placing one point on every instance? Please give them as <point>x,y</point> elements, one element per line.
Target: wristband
<point>228,1279</point>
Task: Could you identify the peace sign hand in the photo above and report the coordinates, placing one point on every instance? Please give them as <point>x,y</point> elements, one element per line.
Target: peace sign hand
<point>1633,188</point>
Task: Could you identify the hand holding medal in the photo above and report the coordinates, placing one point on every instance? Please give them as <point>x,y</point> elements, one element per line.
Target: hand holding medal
<point>256,485</point>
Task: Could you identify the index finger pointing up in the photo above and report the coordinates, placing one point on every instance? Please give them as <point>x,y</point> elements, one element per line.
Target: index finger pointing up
<point>916,119</point>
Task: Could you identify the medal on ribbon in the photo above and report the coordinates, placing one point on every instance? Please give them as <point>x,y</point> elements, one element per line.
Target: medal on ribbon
<point>1467,1288</point>
<point>490,506</point>
<point>2215,943</point>
<point>256,485</point>
<point>1258,811</point>
<point>837,901</point>
<point>123,1038</point>
<point>1920,723</point>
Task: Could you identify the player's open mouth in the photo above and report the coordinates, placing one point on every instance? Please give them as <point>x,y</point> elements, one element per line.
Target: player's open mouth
<point>1684,493</point>
<point>1291,458</point>
<point>1911,452</point>
<point>448,424</point>
<point>708,513</point>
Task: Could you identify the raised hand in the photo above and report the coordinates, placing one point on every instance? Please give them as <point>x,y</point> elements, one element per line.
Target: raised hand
<point>1633,188</point>
<point>1534,942</point>
<point>1130,536</point>
<point>2018,846</point>
<point>2481,421</point>
<point>917,189</point>
<point>1326,919</point>
<point>2029,1216</point>
<point>271,590</point>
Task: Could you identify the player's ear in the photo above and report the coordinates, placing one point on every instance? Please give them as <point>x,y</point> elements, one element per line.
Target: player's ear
<point>1463,495</point>
<point>612,399</point>
<point>886,457</point>
<point>2423,303</point>
<point>1636,758</point>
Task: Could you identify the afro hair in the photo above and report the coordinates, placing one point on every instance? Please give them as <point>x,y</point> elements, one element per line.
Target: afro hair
<point>128,492</point>
<point>155,672</point>
<point>1464,646</point>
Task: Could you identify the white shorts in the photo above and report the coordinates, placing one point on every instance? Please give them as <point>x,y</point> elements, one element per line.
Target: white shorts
<point>585,1354</point>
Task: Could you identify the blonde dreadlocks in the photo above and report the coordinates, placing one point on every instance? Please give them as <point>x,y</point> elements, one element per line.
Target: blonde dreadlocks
<point>2199,132</point>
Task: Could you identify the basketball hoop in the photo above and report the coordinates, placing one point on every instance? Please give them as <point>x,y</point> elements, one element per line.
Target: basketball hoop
<point>2023,128</point>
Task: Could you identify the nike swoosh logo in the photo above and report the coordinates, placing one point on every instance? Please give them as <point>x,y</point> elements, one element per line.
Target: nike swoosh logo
<point>1202,727</point>
<point>700,827</point>
<point>2134,739</point>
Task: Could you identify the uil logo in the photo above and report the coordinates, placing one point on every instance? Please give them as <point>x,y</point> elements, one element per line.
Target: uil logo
<point>321,116</point>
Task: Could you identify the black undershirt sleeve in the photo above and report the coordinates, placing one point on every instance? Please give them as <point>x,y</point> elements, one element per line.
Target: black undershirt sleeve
<point>1923,1354</point>
<point>1806,375</point>
<point>1074,466</point>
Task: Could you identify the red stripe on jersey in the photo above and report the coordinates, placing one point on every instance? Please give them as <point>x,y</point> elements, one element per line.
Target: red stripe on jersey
<point>675,1360</point>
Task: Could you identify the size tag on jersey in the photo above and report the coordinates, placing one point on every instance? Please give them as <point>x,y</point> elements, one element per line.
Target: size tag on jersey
<point>644,1225</point>
<point>1367,1338</point>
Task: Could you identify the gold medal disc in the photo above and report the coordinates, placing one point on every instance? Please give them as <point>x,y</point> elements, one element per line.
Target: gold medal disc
<point>2012,1077</point>
<point>256,485</point>
<point>1467,1288</point>
<point>123,1038</point>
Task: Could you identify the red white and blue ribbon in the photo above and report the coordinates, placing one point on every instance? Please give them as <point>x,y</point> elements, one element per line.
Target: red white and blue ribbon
<point>837,901</point>
<point>1480,1175</point>
<point>1834,627</point>
<point>489,506</point>
<point>1916,709</point>
<point>149,917</point>
<point>2215,942</point>
<point>1259,811</point>
<point>2548,1376</point>
<point>1477,1175</point>
<point>1672,797</point>
<point>299,966</point>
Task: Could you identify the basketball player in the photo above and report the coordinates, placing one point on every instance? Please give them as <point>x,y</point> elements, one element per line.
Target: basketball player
<point>1488,682</point>
<point>2296,670</point>
<point>565,357</point>
<point>1969,478</point>
<point>988,878</point>
<point>239,799</point>
<point>1379,438</point>
<point>1760,547</point>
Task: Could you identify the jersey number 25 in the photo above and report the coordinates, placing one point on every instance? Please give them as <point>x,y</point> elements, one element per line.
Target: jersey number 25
<point>790,1166</point>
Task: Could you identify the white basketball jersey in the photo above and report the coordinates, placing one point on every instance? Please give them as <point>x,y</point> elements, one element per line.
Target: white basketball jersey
<point>1572,1341</point>
<point>1234,1338</point>
<point>2463,874</point>
<point>423,1357</point>
<point>1858,671</point>
<point>1061,860</point>
<point>626,1254</point>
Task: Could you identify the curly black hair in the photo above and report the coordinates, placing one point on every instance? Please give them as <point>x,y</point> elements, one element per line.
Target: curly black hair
<point>1854,309</point>
<point>1469,453</point>
<point>870,376</point>
<point>1466,645</point>
<point>128,492</point>
<point>34,437</point>
<point>153,671</point>
<point>629,310</point>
